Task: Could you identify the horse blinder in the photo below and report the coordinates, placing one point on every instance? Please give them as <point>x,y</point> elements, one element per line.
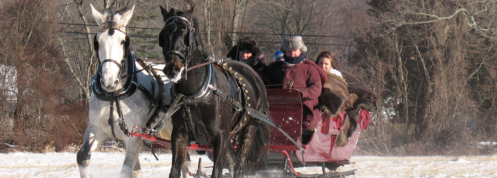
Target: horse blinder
<point>127,44</point>
<point>95,44</point>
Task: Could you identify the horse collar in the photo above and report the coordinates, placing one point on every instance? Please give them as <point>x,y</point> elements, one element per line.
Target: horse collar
<point>204,92</point>
<point>127,90</point>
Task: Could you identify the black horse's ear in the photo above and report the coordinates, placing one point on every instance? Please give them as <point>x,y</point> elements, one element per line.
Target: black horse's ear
<point>163,11</point>
<point>173,12</point>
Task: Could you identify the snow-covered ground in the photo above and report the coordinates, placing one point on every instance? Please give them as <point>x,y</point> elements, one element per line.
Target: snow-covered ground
<point>108,164</point>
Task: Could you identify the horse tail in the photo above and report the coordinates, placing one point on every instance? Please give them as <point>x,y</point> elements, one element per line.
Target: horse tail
<point>257,157</point>
<point>260,140</point>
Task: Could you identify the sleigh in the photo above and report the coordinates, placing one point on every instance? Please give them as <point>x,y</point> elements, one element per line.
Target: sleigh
<point>322,149</point>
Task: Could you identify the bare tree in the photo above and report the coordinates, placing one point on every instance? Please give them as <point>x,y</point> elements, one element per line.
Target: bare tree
<point>435,58</point>
<point>325,25</point>
<point>29,36</point>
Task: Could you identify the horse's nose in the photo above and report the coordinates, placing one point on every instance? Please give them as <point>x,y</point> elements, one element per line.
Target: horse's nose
<point>109,86</point>
<point>176,70</point>
<point>169,71</point>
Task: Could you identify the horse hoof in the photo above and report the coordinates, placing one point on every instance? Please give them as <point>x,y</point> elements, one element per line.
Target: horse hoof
<point>136,174</point>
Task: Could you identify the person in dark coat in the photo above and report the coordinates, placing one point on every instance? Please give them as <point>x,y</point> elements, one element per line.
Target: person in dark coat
<point>296,72</point>
<point>247,50</point>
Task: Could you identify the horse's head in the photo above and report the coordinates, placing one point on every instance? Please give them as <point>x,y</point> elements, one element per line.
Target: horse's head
<point>111,44</point>
<point>177,41</point>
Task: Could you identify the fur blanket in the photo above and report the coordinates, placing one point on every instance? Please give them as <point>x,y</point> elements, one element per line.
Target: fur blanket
<point>363,99</point>
<point>338,85</point>
<point>334,95</point>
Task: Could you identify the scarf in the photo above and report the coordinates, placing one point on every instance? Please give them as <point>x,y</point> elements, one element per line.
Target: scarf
<point>336,72</point>
<point>295,60</point>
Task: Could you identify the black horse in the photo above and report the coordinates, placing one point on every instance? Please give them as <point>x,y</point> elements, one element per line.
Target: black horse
<point>215,101</point>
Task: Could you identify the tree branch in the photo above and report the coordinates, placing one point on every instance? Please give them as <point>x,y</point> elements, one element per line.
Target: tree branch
<point>474,25</point>
<point>470,18</point>
<point>66,59</point>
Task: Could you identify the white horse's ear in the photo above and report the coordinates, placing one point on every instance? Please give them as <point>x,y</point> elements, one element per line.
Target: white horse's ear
<point>99,18</point>
<point>127,16</point>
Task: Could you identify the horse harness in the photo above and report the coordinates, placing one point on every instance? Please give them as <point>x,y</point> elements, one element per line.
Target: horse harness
<point>237,99</point>
<point>209,87</point>
<point>128,72</point>
<point>238,87</point>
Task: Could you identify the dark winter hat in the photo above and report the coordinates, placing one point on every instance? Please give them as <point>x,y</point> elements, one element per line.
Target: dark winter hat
<point>293,43</point>
<point>278,55</point>
<point>248,44</point>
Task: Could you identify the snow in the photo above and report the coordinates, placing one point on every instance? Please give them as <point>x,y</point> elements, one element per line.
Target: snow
<point>487,145</point>
<point>108,164</point>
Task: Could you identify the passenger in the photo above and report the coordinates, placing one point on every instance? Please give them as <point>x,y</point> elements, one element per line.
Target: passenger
<point>296,72</point>
<point>278,56</point>
<point>247,50</point>
<point>336,83</point>
<point>328,62</point>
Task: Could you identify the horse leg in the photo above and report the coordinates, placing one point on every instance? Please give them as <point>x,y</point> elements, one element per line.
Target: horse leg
<point>221,145</point>
<point>245,149</point>
<point>133,147</point>
<point>137,169</point>
<point>91,143</point>
<point>179,140</point>
<point>230,159</point>
<point>185,169</point>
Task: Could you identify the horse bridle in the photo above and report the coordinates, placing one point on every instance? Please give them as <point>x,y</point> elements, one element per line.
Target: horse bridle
<point>121,65</point>
<point>191,31</point>
<point>191,38</point>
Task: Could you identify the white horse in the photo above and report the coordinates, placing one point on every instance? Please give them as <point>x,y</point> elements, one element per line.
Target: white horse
<point>124,94</point>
